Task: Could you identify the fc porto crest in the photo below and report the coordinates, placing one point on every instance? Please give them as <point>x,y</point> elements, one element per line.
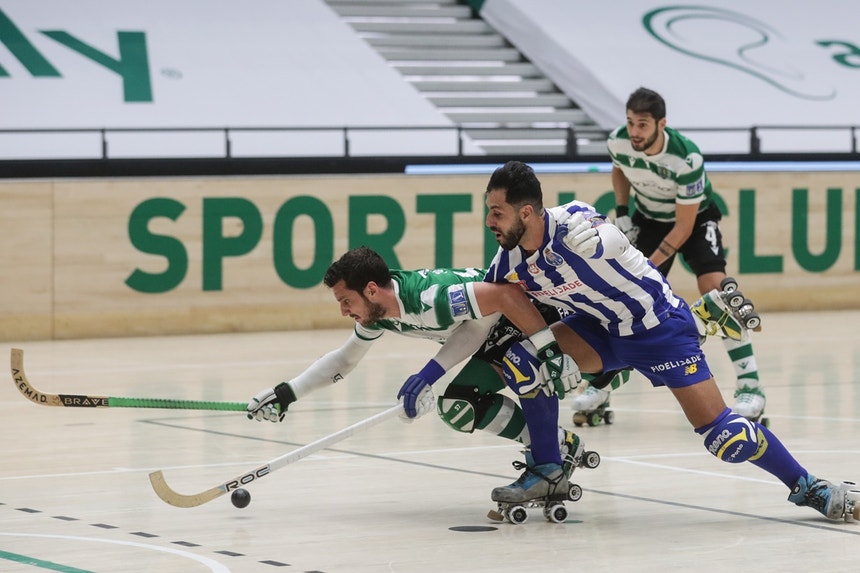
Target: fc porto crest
<point>552,257</point>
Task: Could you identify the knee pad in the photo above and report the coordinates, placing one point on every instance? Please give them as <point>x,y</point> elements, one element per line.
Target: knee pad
<point>463,408</point>
<point>521,369</point>
<point>731,437</point>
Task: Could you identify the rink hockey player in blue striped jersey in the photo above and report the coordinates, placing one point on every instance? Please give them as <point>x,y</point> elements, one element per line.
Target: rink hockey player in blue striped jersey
<point>623,314</point>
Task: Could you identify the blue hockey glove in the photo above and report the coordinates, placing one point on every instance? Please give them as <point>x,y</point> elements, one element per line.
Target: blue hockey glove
<point>413,393</point>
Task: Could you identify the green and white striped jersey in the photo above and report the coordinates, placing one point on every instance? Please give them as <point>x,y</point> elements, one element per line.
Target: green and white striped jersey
<point>675,175</point>
<point>433,303</point>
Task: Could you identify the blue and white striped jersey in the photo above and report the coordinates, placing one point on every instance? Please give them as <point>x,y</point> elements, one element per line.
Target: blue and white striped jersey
<point>627,295</point>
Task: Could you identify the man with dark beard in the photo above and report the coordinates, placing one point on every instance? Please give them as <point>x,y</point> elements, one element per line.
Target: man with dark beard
<point>664,172</point>
<point>450,306</point>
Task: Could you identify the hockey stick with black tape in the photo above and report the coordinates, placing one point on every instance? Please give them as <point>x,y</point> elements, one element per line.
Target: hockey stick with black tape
<point>86,401</point>
<point>169,495</point>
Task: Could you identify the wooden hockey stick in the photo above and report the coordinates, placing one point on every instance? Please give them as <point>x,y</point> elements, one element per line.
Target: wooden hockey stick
<point>86,401</point>
<point>167,494</point>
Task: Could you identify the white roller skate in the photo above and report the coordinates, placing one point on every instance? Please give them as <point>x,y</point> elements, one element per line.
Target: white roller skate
<point>832,501</point>
<point>749,403</point>
<point>544,485</point>
<point>725,312</point>
<point>592,406</point>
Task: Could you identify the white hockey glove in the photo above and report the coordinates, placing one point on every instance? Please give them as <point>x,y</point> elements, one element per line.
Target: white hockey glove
<point>271,404</point>
<point>559,372</point>
<point>626,226</point>
<point>424,402</point>
<point>560,375</point>
<point>582,237</point>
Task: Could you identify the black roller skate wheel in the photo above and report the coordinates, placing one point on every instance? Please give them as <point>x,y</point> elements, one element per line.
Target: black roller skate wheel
<point>575,492</point>
<point>752,321</point>
<point>556,513</point>
<point>728,284</point>
<point>518,515</point>
<point>609,417</point>
<point>591,460</point>
<point>736,299</point>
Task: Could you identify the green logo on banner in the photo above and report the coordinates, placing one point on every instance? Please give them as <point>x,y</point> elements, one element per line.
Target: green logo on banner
<point>131,65</point>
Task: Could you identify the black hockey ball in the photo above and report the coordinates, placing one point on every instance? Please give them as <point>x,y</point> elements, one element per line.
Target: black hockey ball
<point>240,498</point>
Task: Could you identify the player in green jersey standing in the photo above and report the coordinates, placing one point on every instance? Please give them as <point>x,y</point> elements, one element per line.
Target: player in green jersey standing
<point>675,213</point>
<point>451,306</point>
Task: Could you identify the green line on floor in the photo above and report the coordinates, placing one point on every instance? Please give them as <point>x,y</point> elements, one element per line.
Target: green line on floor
<point>39,563</point>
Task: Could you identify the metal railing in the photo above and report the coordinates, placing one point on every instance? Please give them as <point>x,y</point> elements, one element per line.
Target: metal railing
<point>364,141</point>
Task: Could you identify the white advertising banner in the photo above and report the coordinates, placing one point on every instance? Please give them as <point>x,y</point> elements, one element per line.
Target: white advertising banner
<point>729,64</point>
<point>198,64</point>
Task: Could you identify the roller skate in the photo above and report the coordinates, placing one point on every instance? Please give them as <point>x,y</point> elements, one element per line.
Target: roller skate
<point>543,485</point>
<point>832,501</point>
<point>749,403</point>
<point>574,455</point>
<point>591,406</point>
<point>725,312</point>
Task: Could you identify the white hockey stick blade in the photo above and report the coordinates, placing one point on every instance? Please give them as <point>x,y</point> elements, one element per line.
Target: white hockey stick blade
<point>169,495</point>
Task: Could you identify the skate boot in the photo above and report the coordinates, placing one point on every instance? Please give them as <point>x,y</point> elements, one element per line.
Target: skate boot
<point>833,501</point>
<point>749,403</point>
<point>725,312</point>
<point>592,406</point>
<point>543,485</point>
<point>573,454</point>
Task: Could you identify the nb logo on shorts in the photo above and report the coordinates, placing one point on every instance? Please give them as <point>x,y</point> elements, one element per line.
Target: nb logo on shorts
<point>691,369</point>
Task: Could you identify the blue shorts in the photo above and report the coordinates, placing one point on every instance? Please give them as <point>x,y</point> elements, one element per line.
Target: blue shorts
<point>668,355</point>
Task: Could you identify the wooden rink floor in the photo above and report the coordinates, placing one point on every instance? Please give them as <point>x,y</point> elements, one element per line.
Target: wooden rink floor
<point>75,494</point>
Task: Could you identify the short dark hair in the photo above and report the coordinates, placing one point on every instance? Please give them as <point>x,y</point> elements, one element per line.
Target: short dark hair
<point>644,100</point>
<point>520,183</point>
<point>356,268</point>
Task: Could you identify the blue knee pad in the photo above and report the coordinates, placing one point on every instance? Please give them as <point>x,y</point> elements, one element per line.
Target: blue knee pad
<point>731,437</point>
<point>521,368</point>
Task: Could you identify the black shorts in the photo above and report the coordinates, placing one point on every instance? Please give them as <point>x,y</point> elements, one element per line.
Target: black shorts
<point>703,250</point>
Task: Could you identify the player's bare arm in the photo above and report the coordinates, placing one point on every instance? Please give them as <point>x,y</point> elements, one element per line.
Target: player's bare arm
<point>685,218</point>
<point>510,300</point>
<point>620,186</point>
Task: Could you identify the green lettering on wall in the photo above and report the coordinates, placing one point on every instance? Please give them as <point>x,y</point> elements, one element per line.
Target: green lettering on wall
<point>857,229</point>
<point>132,65</point>
<point>444,207</point>
<point>748,260</point>
<point>216,246</point>
<point>360,209</point>
<point>491,246</point>
<point>24,51</point>
<point>800,230</point>
<point>283,251</point>
<point>170,248</point>
<point>564,197</point>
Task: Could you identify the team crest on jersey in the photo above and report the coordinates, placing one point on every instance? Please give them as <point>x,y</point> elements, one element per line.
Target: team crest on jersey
<point>534,269</point>
<point>663,172</point>
<point>458,301</point>
<point>695,188</point>
<point>552,258</point>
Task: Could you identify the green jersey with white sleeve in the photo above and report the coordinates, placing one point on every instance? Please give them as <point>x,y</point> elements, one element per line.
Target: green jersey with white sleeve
<point>433,303</point>
<point>674,175</point>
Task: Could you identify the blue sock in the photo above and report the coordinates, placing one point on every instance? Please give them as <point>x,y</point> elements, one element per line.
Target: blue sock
<point>774,458</point>
<point>541,412</point>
